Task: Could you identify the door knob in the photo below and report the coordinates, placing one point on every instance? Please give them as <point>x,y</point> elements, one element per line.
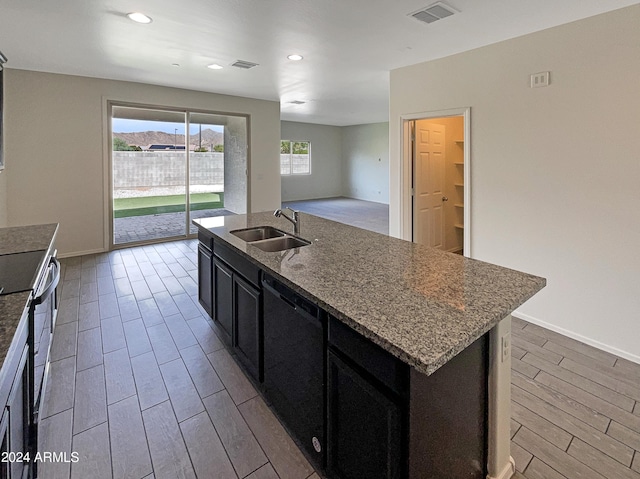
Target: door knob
<point>444,198</point>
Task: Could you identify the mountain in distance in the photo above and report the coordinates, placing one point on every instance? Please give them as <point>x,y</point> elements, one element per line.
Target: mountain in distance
<point>145,138</point>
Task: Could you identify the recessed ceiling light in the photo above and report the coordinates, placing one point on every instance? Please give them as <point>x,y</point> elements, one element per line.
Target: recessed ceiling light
<point>295,57</point>
<point>215,66</point>
<point>139,17</point>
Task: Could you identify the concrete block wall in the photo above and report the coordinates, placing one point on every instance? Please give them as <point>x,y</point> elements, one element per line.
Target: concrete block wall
<point>139,169</point>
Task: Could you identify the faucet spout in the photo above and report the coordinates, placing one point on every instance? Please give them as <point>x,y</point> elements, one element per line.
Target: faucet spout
<point>295,220</point>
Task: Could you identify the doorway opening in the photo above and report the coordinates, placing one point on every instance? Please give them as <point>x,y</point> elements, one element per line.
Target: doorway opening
<point>171,166</point>
<point>436,153</point>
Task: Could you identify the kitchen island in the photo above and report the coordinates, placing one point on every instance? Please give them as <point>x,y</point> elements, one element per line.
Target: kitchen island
<point>442,317</point>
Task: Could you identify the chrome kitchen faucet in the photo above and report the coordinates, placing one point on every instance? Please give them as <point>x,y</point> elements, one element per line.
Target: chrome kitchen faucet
<point>295,220</point>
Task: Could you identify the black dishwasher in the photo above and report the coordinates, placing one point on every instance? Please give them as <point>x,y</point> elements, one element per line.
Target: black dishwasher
<point>294,364</point>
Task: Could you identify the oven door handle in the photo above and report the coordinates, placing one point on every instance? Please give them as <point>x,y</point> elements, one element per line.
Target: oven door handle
<point>54,263</point>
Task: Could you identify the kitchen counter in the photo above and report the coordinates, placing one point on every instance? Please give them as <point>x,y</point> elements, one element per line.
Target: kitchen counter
<point>27,269</point>
<point>21,239</point>
<point>422,305</point>
<point>13,240</point>
<point>12,307</point>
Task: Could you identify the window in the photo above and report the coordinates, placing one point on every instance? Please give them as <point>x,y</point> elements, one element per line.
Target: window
<point>295,157</point>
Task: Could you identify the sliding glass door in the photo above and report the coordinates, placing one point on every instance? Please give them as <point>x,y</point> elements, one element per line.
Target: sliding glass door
<point>206,166</point>
<point>162,176</point>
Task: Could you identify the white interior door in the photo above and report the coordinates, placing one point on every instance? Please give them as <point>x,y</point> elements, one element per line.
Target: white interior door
<point>428,187</point>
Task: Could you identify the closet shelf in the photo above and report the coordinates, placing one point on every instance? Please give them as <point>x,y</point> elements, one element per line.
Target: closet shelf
<point>459,226</point>
<point>459,205</point>
<point>458,163</point>
<point>459,184</point>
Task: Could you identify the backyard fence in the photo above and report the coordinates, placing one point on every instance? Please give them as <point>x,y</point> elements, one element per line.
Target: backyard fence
<point>143,169</point>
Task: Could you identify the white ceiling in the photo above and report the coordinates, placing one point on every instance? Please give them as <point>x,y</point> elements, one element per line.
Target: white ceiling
<point>349,46</point>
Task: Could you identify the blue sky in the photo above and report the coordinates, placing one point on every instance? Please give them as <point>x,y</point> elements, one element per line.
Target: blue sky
<point>121,125</point>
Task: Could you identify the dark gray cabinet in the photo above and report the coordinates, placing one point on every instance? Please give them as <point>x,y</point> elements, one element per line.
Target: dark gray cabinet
<point>205,278</point>
<point>247,316</point>
<point>387,420</point>
<point>223,300</point>
<point>236,303</point>
<point>205,273</point>
<point>364,426</point>
<point>366,408</point>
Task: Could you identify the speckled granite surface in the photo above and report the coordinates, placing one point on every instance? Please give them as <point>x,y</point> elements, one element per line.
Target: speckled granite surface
<point>422,305</point>
<point>11,308</point>
<point>20,239</point>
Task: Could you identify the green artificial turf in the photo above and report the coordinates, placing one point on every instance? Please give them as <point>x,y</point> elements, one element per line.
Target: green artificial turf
<point>153,205</point>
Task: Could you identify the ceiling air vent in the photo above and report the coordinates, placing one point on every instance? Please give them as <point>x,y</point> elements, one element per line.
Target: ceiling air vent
<point>433,13</point>
<point>244,64</point>
<point>297,102</point>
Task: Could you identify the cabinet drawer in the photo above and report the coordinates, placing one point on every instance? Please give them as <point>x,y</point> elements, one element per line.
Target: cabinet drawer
<point>382,365</point>
<point>241,265</point>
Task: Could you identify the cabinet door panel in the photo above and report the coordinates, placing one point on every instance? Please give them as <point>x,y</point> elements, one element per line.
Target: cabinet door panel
<point>205,279</point>
<point>223,299</point>
<point>247,342</point>
<point>364,426</point>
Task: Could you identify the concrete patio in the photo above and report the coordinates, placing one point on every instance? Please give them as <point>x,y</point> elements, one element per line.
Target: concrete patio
<point>135,229</point>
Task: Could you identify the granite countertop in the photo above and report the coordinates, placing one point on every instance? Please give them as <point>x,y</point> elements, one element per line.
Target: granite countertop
<point>21,239</point>
<point>422,305</point>
<point>12,307</point>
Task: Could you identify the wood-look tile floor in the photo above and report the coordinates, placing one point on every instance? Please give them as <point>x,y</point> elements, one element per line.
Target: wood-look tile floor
<point>140,387</point>
<point>575,410</point>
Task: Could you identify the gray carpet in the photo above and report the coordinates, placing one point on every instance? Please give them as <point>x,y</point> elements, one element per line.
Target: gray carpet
<point>363,214</point>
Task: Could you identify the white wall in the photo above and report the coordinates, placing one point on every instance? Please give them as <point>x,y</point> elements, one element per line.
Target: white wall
<point>326,159</point>
<point>555,171</point>
<point>56,149</point>
<point>3,199</point>
<point>235,165</point>
<point>365,156</point>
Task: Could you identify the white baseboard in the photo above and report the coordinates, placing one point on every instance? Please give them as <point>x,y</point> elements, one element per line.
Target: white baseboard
<point>371,200</point>
<point>81,253</point>
<point>506,473</point>
<point>591,342</point>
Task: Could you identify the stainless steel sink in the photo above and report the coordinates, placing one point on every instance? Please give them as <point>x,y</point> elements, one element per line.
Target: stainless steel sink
<point>270,239</point>
<point>279,244</point>
<point>260,233</point>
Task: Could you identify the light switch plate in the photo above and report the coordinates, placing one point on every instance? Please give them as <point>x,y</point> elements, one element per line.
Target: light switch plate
<point>540,79</point>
